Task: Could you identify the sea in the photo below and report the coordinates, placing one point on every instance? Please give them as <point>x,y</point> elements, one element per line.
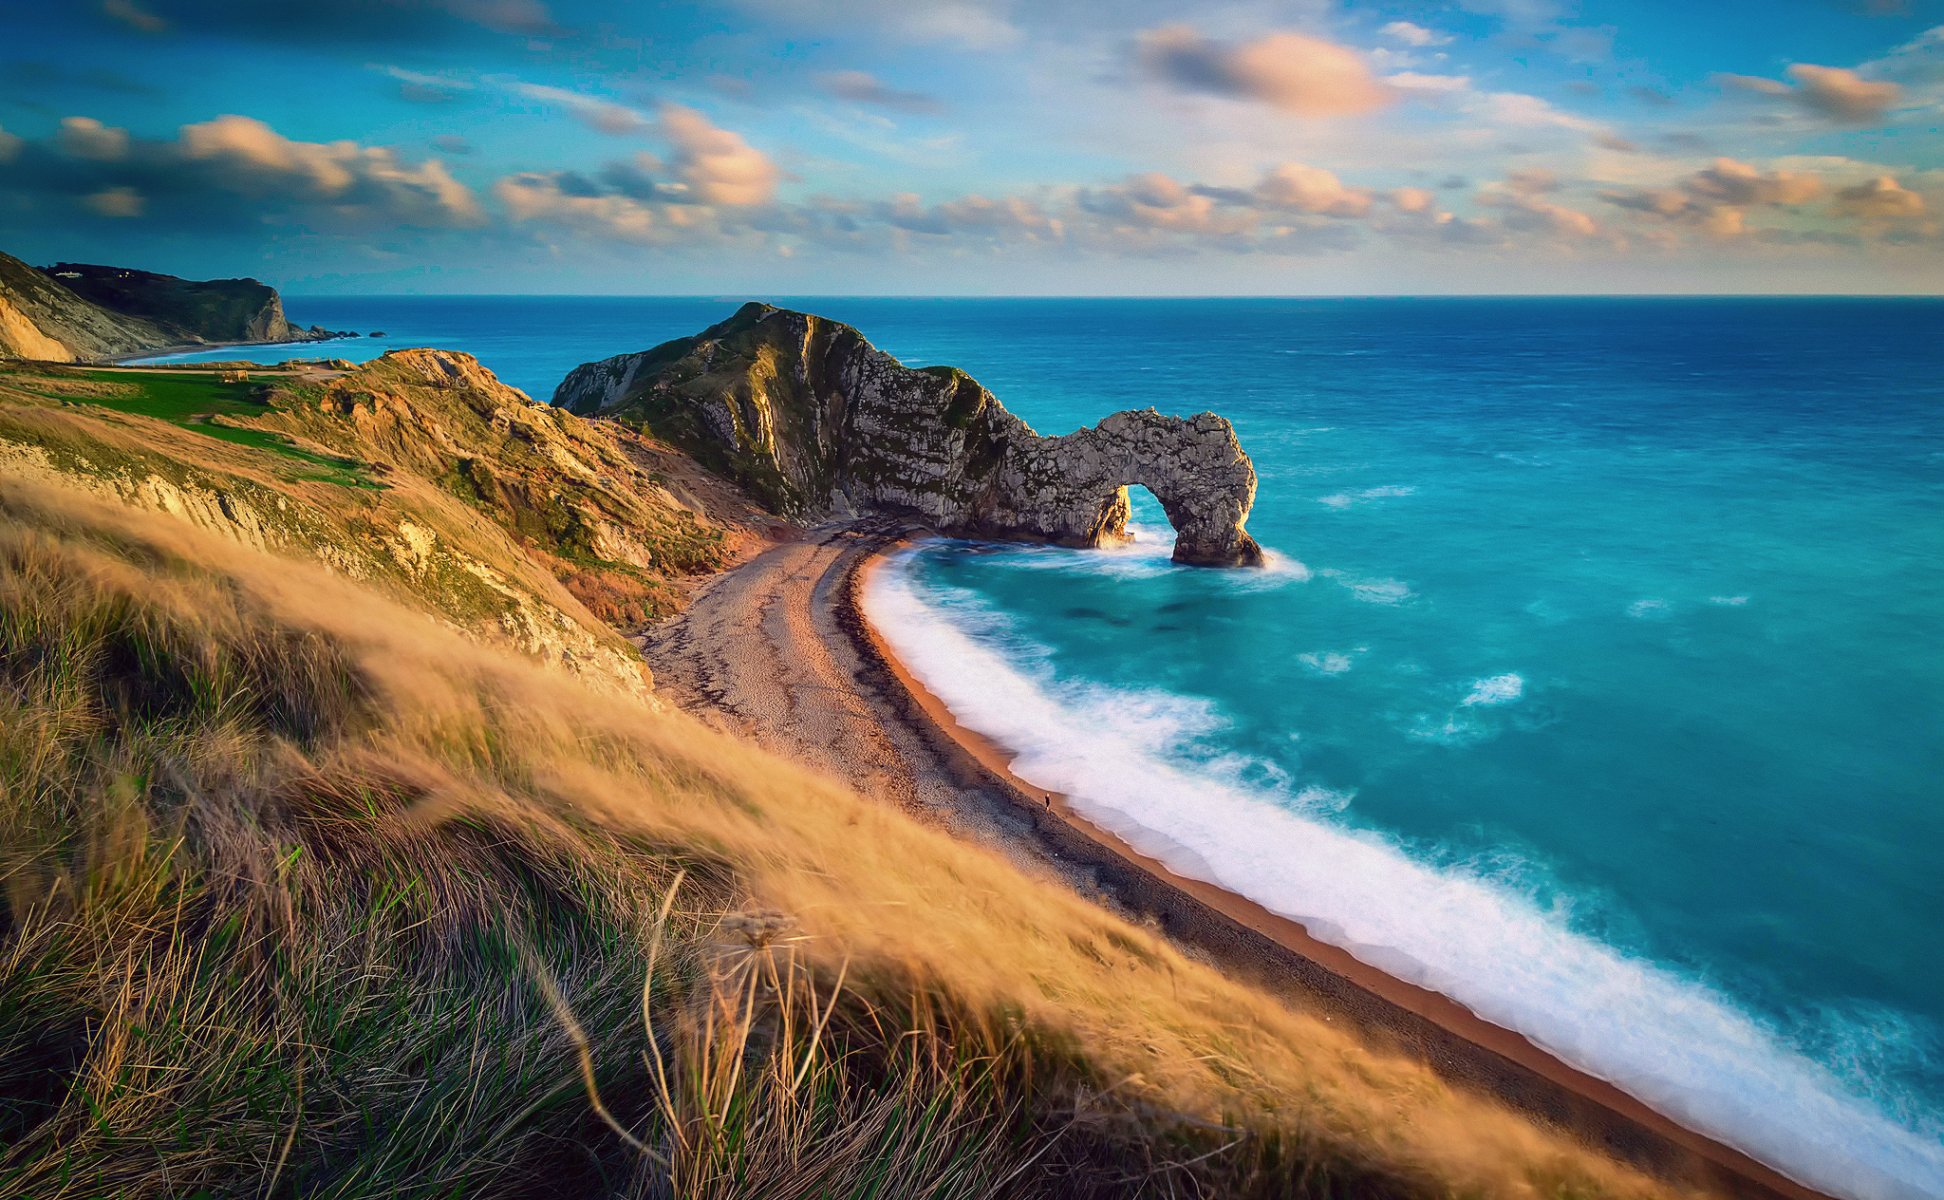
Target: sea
<point>1596,679</point>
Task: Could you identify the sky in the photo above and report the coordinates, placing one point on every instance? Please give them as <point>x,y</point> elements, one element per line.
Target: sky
<point>1012,147</point>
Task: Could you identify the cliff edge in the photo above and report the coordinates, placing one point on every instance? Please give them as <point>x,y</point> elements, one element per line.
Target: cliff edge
<point>812,419</point>
<point>77,311</point>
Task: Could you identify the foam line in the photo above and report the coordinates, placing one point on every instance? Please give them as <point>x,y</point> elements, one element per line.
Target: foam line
<point>1675,1043</point>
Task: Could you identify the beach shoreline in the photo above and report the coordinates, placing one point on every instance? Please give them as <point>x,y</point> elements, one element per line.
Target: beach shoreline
<point>143,358</point>
<point>781,648</point>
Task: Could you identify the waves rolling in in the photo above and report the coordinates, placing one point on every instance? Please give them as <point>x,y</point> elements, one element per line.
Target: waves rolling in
<point>1129,762</point>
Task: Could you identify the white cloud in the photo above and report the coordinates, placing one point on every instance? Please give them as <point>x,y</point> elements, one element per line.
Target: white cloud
<point>250,158</point>
<point>532,196</point>
<point>1520,109</point>
<point>1836,94</point>
<point>1311,190</point>
<point>1290,71</point>
<point>1411,34</point>
<point>596,113</point>
<point>718,166</point>
<point>1412,199</point>
<point>1879,199</point>
<point>1413,81</point>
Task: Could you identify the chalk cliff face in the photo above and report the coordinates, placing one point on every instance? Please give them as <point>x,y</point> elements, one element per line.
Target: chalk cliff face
<point>74,311</point>
<point>813,420</point>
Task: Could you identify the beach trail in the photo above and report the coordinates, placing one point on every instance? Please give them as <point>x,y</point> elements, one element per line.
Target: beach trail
<point>778,650</point>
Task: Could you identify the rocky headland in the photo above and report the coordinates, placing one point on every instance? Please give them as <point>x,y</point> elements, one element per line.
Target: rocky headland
<point>77,312</point>
<point>814,421</point>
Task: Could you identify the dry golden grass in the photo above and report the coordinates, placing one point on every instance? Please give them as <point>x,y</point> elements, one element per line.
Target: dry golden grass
<point>306,893</point>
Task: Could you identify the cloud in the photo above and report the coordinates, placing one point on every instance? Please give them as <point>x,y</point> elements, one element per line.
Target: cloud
<point>414,24</point>
<point>1520,109</point>
<point>420,88</point>
<point>1154,201</point>
<point>134,16</point>
<point>1532,181</point>
<point>977,215</point>
<point>534,196</point>
<point>1879,199</point>
<point>973,24</point>
<point>10,145</point>
<point>1414,35</point>
<point>861,87</point>
<point>452,143</point>
<point>85,137</point>
<point>1308,189</point>
<point>1835,94</point>
<point>1528,212</point>
<point>713,182</point>
<point>1413,81</point>
<point>360,184</point>
<point>1843,95</point>
<point>115,202</point>
<point>1727,181</point>
<point>1718,198</point>
<point>1412,199</point>
<point>603,116</point>
<point>232,172</point>
<point>1290,71</point>
<point>717,165</point>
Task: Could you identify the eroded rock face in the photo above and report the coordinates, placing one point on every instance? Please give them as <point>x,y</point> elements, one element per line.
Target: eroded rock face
<point>814,420</point>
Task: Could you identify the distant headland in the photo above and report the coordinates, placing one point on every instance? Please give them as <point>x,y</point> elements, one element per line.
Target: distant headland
<point>78,312</point>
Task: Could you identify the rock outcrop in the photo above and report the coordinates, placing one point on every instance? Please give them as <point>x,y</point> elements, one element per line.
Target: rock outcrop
<point>75,311</point>
<point>812,419</point>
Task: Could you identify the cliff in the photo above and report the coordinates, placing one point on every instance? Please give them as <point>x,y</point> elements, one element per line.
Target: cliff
<point>77,311</point>
<point>419,475</point>
<point>812,419</point>
<point>42,319</point>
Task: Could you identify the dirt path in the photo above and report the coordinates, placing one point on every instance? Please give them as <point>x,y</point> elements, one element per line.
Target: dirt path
<point>769,651</point>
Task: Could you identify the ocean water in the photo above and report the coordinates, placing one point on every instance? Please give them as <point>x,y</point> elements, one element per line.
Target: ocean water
<point>1597,679</point>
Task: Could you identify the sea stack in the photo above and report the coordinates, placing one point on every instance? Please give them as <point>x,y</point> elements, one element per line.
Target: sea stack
<point>813,420</point>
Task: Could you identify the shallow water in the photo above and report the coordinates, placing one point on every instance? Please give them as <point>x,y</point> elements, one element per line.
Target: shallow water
<point>1596,681</point>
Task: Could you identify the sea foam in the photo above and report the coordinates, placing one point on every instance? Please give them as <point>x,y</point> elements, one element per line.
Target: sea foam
<point>1672,1041</point>
<point>1499,689</point>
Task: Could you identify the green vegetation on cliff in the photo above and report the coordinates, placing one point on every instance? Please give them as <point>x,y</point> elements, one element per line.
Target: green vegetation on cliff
<point>77,311</point>
<point>189,310</point>
<point>339,858</point>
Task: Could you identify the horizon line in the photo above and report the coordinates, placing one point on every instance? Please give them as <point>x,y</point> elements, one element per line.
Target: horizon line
<point>724,295</point>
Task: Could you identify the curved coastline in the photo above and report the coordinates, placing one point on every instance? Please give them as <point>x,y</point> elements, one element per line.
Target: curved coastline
<point>159,356</point>
<point>1249,939</point>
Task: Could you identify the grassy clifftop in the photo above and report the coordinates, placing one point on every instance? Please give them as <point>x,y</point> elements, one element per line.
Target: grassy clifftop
<point>79,311</point>
<point>419,474</point>
<point>316,878</point>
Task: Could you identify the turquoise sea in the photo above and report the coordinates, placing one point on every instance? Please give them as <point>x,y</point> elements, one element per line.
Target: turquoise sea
<point>1597,680</point>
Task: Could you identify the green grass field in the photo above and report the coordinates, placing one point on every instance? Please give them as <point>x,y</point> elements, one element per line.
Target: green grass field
<point>200,401</point>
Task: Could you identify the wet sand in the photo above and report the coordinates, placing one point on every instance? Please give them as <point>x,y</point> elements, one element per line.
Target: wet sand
<point>779,650</point>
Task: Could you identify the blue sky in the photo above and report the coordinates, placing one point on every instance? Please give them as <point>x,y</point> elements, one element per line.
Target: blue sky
<point>984,146</point>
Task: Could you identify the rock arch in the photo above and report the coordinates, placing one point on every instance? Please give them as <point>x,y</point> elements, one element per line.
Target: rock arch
<point>814,420</point>
<point>1073,489</point>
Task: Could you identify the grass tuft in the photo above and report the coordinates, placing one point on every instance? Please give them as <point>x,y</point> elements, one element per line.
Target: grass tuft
<point>303,893</point>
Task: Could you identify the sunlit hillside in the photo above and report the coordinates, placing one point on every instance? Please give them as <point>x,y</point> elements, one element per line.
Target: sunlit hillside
<point>341,860</point>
